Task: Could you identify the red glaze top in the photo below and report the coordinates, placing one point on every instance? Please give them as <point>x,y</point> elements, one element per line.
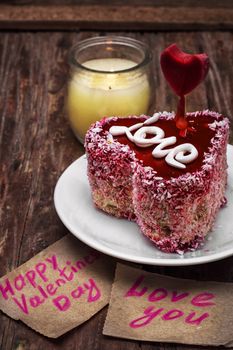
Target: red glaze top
<point>200,139</point>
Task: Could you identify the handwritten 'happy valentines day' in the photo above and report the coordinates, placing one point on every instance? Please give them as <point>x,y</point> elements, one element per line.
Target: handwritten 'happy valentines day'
<point>38,278</point>
<point>59,288</point>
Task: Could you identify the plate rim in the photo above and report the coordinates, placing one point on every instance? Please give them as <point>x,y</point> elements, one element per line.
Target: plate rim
<point>131,258</point>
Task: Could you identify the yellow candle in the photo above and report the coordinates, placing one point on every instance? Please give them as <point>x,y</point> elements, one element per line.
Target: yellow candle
<point>93,95</point>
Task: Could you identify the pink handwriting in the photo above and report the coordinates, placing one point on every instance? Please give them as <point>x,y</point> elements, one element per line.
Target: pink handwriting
<point>62,302</point>
<point>133,291</point>
<point>53,261</point>
<point>200,300</point>
<point>39,274</point>
<point>151,313</point>
<point>139,290</point>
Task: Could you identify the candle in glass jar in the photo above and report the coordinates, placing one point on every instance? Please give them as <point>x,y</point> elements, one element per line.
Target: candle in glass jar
<point>106,89</point>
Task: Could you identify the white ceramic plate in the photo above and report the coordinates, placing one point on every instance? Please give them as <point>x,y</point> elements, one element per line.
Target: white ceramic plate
<point>121,238</point>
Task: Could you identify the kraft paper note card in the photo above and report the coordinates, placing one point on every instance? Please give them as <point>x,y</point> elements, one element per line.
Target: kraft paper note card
<point>152,307</point>
<point>58,289</point>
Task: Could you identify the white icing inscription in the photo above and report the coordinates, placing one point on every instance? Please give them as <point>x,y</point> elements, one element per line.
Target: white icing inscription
<point>176,156</point>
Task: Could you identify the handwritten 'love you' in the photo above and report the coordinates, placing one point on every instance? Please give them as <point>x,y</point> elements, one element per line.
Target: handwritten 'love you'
<point>201,300</point>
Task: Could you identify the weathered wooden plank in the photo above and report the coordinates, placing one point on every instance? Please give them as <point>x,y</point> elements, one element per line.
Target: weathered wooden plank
<point>170,3</point>
<point>36,145</point>
<point>32,148</point>
<point>113,17</point>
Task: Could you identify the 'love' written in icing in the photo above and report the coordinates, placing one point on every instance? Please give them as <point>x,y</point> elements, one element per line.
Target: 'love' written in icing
<point>177,156</point>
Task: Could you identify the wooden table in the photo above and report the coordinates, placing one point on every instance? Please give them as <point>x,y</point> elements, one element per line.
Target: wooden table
<point>36,145</point>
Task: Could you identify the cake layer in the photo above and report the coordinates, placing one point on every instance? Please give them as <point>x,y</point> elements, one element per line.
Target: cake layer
<point>175,208</point>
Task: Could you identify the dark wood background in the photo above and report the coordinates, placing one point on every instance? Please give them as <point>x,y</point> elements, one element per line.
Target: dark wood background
<point>117,14</point>
<point>36,143</point>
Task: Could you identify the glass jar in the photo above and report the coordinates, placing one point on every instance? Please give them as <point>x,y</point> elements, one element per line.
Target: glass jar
<point>109,76</point>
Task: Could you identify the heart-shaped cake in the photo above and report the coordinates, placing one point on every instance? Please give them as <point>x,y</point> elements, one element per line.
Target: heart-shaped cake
<point>168,171</point>
<point>141,169</point>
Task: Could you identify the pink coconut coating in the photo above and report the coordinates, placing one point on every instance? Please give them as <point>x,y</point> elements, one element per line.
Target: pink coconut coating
<point>175,213</point>
<point>110,172</point>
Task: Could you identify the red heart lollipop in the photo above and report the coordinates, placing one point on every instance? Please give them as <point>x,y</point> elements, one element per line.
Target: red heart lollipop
<point>183,72</point>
